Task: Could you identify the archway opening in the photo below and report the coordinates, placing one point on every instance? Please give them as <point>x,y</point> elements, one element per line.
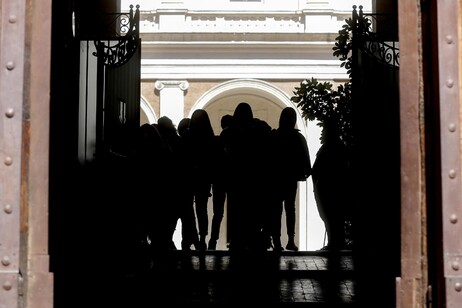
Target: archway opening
<point>267,102</point>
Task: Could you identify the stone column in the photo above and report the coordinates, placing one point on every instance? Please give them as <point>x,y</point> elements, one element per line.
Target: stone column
<point>172,98</point>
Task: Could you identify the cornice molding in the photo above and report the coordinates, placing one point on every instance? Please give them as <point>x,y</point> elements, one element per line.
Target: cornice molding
<point>240,38</point>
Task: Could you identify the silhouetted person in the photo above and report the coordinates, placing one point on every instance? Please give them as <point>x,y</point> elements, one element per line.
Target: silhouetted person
<point>183,126</point>
<point>174,192</point>
<point>219,186</point>
<point>153,181</point>
<point>330,185</point>
<point>292,164</point>
<point>245,145</point>
<point>201,151</point>
<point>189,235</point>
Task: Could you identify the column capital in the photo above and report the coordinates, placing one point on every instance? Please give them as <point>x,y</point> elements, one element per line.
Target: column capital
<point>181,84</point>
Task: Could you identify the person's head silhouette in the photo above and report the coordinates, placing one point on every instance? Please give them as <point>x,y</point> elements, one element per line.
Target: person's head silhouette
<point>243,115</point>
<point>288,118</point>
<point>200,123</point>
<point>226,121</point>
<point>183,125</point>
<point>165,122</point>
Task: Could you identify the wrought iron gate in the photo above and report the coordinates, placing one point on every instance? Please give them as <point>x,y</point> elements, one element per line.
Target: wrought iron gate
<point>118,107</point>
<point>376,156</point>
<point>111,115</point>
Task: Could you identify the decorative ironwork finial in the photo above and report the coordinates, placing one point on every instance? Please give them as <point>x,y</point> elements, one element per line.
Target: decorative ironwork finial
<point>119,49</point>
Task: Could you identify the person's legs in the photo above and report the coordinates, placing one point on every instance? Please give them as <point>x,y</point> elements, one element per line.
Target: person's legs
<point>337,231</point>
<point>188,224</point>
<point>218,200</point>
<point>289,207</point>
<point>201,200</point>
<point>275,225</point>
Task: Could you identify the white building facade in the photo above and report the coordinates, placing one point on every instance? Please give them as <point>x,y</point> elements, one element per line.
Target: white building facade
<point>214,54</point>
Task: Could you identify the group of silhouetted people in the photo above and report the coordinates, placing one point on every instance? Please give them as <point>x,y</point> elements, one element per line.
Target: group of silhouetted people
<point>252,167</point>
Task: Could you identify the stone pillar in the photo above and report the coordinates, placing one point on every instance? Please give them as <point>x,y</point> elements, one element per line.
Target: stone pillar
<point>172,98</point>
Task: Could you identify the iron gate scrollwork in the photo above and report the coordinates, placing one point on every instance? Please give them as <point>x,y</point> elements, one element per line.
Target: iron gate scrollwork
<point>371,42</point>
<point>119,67</point>
<point>119,47</point>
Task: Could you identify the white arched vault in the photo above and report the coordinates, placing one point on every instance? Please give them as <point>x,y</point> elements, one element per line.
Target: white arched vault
<point>310,227</point>
<point>254,87</point>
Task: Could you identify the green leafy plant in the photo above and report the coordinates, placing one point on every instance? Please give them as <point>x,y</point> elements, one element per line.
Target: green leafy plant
<point>319,100</point>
